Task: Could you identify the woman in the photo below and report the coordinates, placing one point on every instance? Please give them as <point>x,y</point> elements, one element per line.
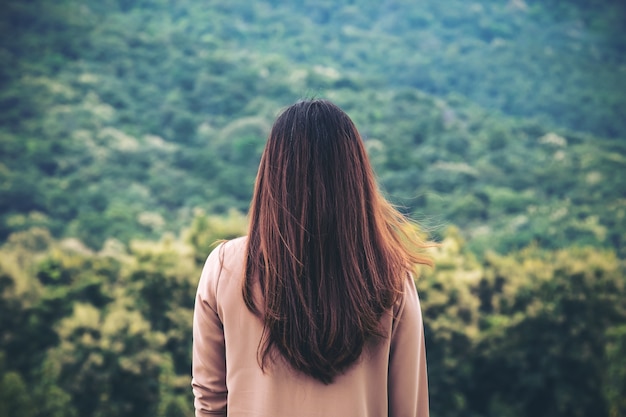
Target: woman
<point>315,312</point>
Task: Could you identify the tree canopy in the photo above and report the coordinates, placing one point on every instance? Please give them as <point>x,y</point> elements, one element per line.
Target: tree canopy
<point>130,134</point>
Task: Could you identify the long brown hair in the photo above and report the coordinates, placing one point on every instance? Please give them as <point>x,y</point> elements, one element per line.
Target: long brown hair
<point>329,252</point>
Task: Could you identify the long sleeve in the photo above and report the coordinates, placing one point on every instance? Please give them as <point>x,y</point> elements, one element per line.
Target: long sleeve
<point>408,381</point>
<point>209,358</point>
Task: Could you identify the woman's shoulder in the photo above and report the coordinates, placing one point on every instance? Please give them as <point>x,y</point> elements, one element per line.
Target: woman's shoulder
<point>234,247</point>
<point>224,265</point>
<point>227,258</point>
<point>228,251</point>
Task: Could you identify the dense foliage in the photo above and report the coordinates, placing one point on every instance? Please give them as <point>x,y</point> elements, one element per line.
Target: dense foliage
<point>130,132</point>
<point>142,111</point>
<point>107,333</point>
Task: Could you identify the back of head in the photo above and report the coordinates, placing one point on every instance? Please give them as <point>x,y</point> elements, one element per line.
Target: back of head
<point>329,252</point>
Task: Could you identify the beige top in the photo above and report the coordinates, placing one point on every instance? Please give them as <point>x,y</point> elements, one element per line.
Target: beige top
<point>388,380</point>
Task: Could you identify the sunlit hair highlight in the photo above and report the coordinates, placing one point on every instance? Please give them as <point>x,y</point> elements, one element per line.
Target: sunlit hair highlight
<point>326,252</point>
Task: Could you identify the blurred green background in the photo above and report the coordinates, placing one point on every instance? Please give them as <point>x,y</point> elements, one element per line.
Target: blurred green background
<point>130,133</point>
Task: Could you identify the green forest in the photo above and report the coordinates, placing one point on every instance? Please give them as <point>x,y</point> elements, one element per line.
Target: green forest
<point>130,135</point>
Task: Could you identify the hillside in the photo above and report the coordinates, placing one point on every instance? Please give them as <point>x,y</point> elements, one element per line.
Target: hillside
<point>131,130</point>
<point>142,113</point>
